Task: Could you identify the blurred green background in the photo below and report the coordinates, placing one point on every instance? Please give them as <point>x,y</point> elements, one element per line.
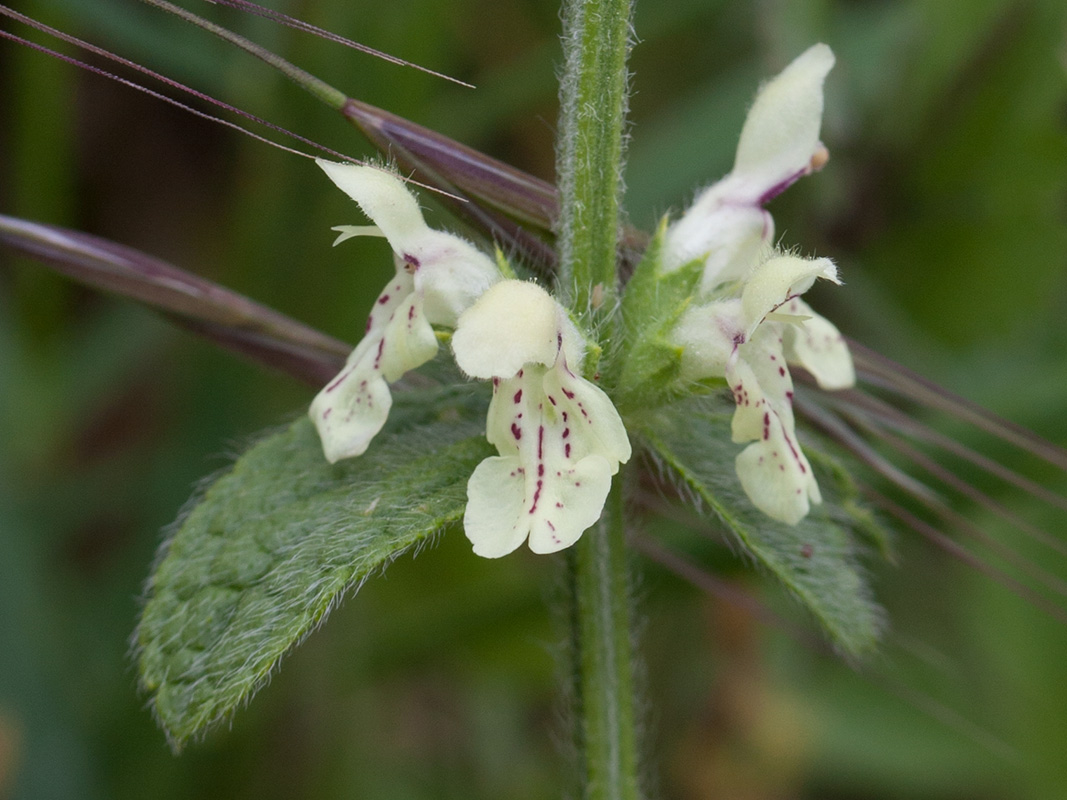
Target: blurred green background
<point>944,203</point>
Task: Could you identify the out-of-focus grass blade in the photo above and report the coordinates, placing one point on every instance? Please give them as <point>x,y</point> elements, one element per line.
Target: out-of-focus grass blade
<point>228,318</point>
<point>500,185</point>
<point>493,195</point>
<point>886,373</point>
<point>299,25</point>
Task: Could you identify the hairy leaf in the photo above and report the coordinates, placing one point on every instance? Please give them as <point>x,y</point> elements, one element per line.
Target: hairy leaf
<point>273,544</point>
<point>815,559</point>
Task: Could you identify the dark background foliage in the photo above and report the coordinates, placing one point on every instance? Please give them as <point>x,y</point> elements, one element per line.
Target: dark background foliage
<point>944,204</point>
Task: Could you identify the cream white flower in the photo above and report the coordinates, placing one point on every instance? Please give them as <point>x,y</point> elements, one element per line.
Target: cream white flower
<point>750,340</point>
<point>727,225</point>
<point>438,276</point>
<point>559,437</point>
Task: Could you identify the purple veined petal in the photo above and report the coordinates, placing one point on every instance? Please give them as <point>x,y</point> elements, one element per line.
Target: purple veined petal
<point>560,438</point>
<point>594,425</point>
<point>778,280</point>
<point>352,408</point>
<point>556,462</point>
<point>507,505</point>
<point>408,340</point>
<point>774,472</point>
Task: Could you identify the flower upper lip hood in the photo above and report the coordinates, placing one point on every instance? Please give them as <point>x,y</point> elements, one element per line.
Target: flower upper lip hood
<point>438,276</point>
<point>450,272</point>
<point>726,225</point>
<point>559,437</point>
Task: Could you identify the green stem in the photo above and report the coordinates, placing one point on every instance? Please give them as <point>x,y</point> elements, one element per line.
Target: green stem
<point>604,693</point>
<point>593,99</point>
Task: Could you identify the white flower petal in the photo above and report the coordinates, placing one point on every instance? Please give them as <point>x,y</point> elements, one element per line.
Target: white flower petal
<point>818,346</point>
<point>352,408</point>
<point>726,225</point>
<point>559,448</point>
<point>778,280</point>
<point>514,323</point>
<point>781,132</point>
<point>571,502</point>
<point>504,421</point>
<point>383,197</point>
<point>395,294</point>
<point>408,340</point>
<point>559,437</point>
<point>708,336</point>
<point>594,424</point>
<point>762,385</point>
<point>729,237</point>
<point>346,232</point>
<point>774,471</point>
<point>505,506</point>
<point>495,520</point>
<point>451,273</point>
<point>438,277</point>
<point>773,480</point>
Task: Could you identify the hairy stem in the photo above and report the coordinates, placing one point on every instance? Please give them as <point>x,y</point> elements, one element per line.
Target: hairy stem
<point>593,100</point>
<point>605,724</point>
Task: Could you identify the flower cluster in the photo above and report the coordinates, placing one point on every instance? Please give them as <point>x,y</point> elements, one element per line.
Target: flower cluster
<point>748,323</point>
<point>559,437</point>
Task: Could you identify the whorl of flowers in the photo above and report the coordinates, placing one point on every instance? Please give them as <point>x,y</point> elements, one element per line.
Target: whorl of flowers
<point>559,436</point>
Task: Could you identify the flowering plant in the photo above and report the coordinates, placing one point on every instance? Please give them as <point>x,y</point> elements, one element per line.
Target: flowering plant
<point>552,378</point>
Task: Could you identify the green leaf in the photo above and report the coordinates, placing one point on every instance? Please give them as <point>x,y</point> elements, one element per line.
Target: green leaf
<point>273,544</point>
<point>651,307</point>
<point>816,559</point>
